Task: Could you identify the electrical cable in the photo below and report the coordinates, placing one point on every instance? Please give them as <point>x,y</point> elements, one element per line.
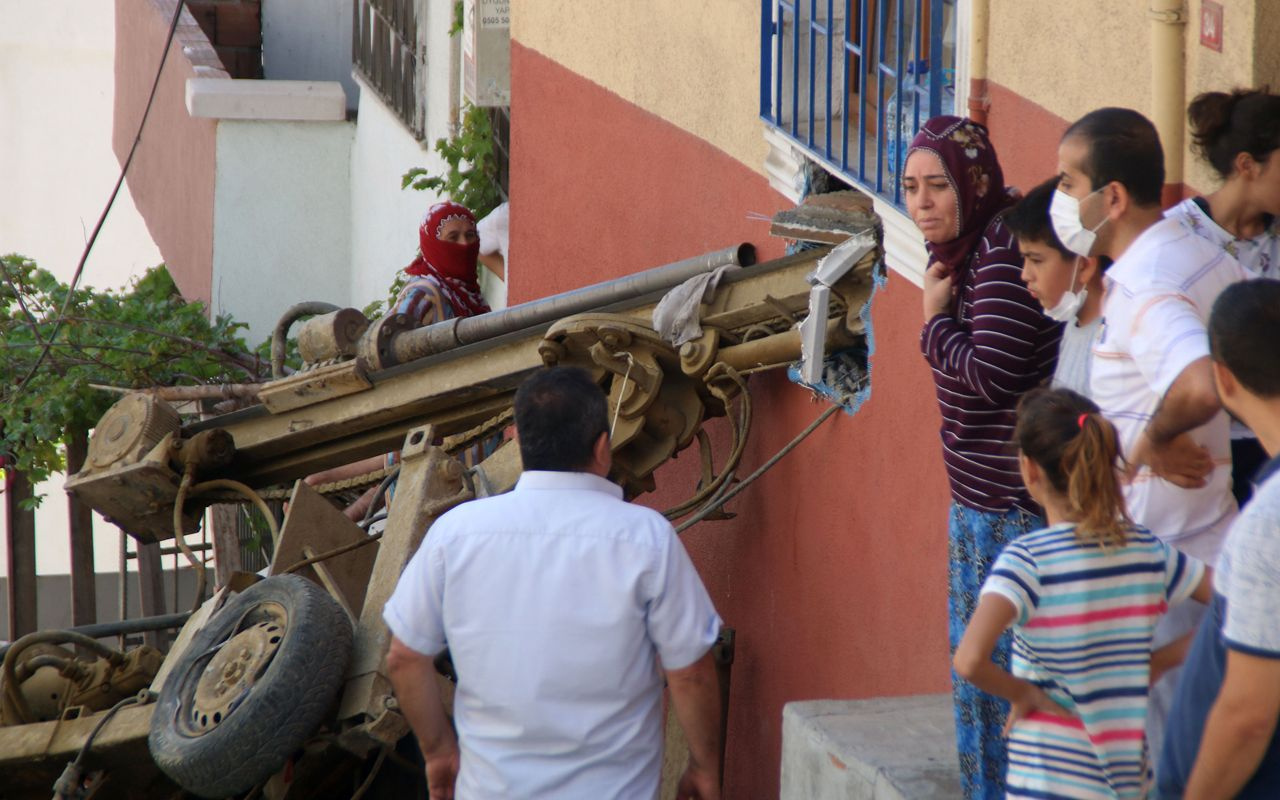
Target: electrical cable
<point>93,237</point>
<point>180,539</point>
<point>68,783</point>
<point>717,502</point>
<point>373,773</point>
<point>378,494</point>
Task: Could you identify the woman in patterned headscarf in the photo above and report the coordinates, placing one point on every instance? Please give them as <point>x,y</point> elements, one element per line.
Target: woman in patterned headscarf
<point>443,284</point>
<point>988,342</point>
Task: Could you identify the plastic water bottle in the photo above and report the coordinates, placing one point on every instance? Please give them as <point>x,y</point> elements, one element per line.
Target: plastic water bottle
<point>900,129</point>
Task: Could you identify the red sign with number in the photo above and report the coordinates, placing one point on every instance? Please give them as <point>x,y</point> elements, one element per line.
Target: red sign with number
<point>1211,25</point>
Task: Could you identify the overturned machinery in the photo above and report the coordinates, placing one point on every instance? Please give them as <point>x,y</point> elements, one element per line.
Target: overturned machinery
<point>214,711</point>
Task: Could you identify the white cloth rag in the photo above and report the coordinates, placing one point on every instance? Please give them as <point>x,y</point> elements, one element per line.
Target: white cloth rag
<point>676,317</point>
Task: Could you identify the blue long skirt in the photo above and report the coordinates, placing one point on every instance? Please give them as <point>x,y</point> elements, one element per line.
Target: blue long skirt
<point>976,538</point>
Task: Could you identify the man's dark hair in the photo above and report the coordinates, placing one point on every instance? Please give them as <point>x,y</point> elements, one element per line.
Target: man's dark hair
<point>1244,328</point>
<point>560,413</point>
<point>1029,220</point>
<point>1123,146</point>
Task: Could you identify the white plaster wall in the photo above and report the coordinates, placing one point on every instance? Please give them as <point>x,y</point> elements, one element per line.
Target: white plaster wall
<point>281,219</point>
<point>309,40</point>
<point>385,219</point>
<point>57,81</point>
<point>56,88</point>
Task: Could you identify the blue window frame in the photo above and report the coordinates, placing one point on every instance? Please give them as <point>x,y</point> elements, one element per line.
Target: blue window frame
<point>851,81</point>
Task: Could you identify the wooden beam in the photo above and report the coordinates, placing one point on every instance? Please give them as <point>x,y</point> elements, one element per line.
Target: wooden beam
<point>226,542</point>
<point>84,603</point>
<point>151,588</point>
<point>20,532</point>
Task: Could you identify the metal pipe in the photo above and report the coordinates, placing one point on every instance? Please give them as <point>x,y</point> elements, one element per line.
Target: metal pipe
<point>1168,88</point>
<point>101,630</point>
<point>432,339</point>
<point>979,33</point>
<point>780,348</point>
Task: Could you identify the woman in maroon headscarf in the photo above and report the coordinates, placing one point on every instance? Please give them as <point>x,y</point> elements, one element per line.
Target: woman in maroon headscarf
<point>988,342</point>
<point>444,282</point>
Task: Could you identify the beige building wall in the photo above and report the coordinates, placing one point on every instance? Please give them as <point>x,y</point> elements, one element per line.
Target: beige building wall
<point>1209,70</point>
<point>646,52</point>
<point>1072,58</point>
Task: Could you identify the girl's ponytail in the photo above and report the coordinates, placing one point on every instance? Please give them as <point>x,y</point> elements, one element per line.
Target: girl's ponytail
<point>1079,453</point>
<point>1090,462</point>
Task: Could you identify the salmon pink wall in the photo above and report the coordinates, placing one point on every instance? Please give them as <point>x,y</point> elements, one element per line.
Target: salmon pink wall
<point>172,175</point>
<point>1026,136</point>
<point>833,572</point>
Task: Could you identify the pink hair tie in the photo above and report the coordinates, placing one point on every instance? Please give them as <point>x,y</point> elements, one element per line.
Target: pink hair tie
<point>1081,419</point>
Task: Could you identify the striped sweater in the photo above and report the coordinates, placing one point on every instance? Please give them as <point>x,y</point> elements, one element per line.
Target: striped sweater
<point>1085,620</point>
<point>994,347</point>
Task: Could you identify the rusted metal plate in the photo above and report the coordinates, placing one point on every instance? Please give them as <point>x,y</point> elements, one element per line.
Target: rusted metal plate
<point>443,389</point>
<point>139,498</point>
<point>430,484</point>
<point>314,386</point>
<point>33,756</point>
<point>313,523</point>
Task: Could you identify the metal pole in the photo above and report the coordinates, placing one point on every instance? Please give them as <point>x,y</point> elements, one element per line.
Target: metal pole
<point>101,630</point>
<point>432,339</point>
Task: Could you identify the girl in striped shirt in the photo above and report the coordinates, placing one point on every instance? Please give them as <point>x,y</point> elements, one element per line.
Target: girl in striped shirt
<point>1083,597</point>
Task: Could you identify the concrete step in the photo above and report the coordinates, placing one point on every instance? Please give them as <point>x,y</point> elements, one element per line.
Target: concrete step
<point>892,748</point>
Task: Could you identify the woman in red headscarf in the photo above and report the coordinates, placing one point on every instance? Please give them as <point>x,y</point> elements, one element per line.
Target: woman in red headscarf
<point>444,282</point>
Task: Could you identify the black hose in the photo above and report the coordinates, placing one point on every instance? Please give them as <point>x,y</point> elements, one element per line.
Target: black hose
<point>13,706</point>
<point>383,486</point>
<point>280,335</point>
<point>28,667</point>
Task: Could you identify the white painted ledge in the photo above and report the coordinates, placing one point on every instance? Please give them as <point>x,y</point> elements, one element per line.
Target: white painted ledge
<point>904,251</point>
<point>298,101</point>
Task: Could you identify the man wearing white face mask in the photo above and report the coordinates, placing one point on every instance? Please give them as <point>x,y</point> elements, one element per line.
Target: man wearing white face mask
<point>1151,373</point>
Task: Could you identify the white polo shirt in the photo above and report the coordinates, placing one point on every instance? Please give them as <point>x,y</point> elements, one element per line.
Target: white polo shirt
<point>557,601</point>
<point>1159,295</point>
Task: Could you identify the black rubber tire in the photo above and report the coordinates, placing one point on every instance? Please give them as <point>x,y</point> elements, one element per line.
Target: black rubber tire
<point>279,713</point>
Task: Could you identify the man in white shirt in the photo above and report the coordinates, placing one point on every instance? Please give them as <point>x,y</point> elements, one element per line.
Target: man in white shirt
<point>563,607</point>
<point>1151,371</point>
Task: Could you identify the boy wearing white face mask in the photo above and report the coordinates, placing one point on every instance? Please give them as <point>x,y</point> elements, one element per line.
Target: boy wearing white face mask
<point>1151,372</point>
<point>1067,285</point>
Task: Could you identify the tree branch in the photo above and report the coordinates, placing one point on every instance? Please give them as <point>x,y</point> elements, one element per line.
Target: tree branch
<point>246,363</point>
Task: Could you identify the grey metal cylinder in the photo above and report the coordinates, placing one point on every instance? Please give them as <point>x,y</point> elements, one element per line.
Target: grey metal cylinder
<point>432,339</point>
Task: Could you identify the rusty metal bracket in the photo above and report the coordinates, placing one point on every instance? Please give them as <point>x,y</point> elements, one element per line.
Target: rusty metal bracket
<point>430,483</point>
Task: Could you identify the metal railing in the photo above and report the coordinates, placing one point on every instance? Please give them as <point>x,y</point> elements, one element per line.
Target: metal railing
<point>851,81</point>
<point>385,52</point>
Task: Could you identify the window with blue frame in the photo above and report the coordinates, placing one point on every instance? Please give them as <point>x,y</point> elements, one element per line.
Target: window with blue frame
<point>851,81</point>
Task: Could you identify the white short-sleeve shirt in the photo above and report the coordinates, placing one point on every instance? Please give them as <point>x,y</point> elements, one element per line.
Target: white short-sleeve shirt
<point>1249,571</point>
<point>559,603</point>
<point>1155,313</point>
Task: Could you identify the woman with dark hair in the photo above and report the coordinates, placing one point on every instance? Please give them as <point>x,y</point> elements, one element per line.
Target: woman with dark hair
<point>987,343</point>
<point>1238,134</point>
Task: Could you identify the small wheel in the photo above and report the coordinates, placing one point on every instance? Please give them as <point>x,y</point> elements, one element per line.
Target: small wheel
<point>254,684</point>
